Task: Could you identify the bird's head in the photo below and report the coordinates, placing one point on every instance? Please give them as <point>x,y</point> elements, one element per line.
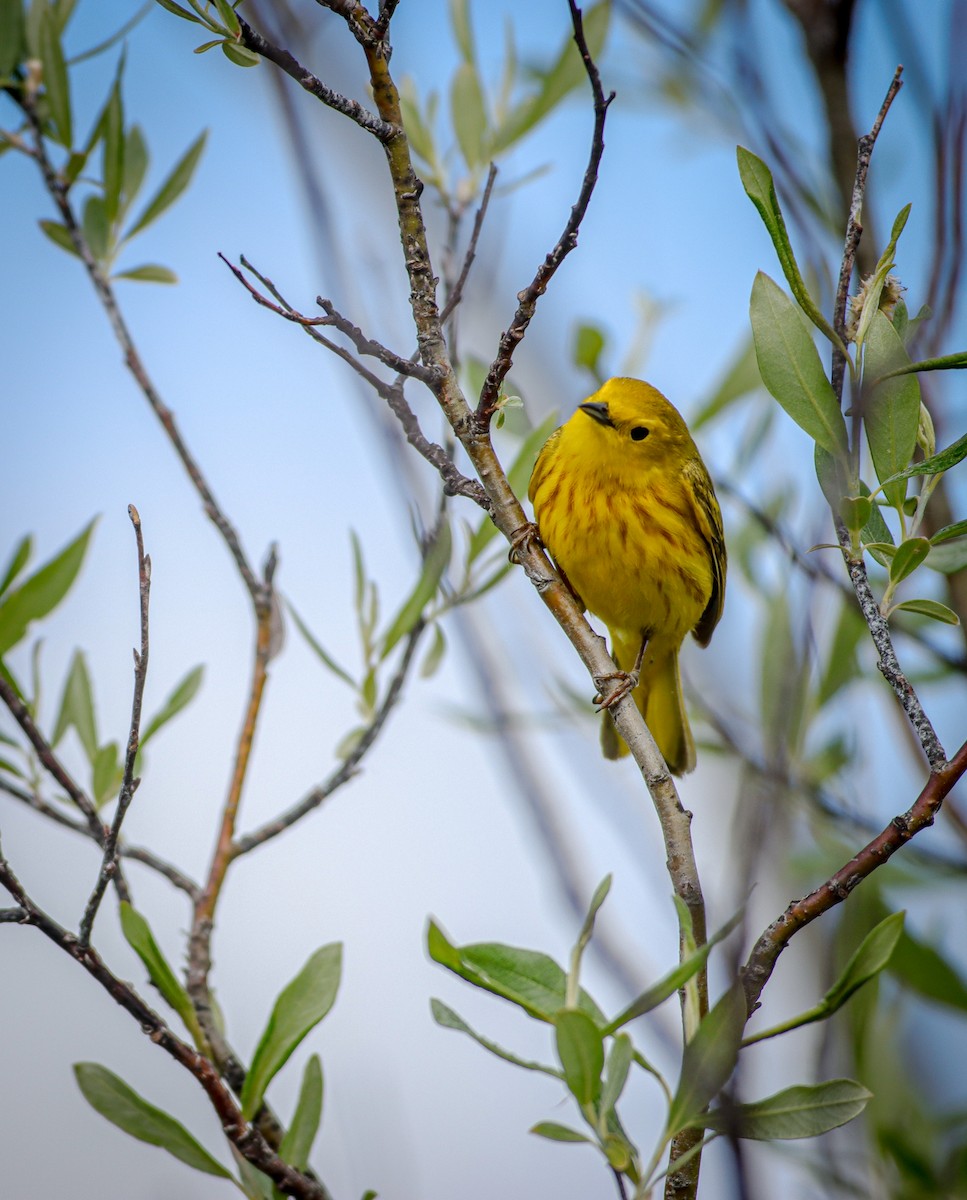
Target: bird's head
<point>633,420</point>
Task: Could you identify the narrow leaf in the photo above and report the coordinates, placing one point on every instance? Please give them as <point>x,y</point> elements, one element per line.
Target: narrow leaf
<point>77,707</point>
<point>909,555</point>
<point>468,111</point>
<point>11,35</point>
<point>937,463</point>
<point>434,656</point>
<point>122,1106</point>
<point>18,560</point>
<point>946,362</point>
<point>891,410</point>
<point>580,1048</point>
<point>135,165</point>
<point>790,366</point>
<point>558,1133</point>
<point>180,697</point>
<point>241,56</point>
<point>921,967</point>
<point>139,937</point>
<point>106,774</point>
<point>796,1112</point>
<point>300,1007</point>
<point>179,11</point>
<point>297,1144</point>
<point>620,1057</point>
<point>874,286</point>
<point>113,152</point>
<point>327,661</point>
<point>761,190</point>
<point>148,273</point>
<point>958,529</point>
<point>931,608</point>
<point>448,1019</point>
<point>462,29</point>
<point>56,80</point>
<point>172,187</point>
<point>869,958</point>
<point>709,1058</point>
<point>94,224</point>
<point>435,562</point>
<point>59,235</point>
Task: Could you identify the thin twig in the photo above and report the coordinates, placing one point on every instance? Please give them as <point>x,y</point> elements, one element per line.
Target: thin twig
<point>369,347</point>
<point>921,814</point>
<point>456,294</point>
<point>138,853</point>
<point>350,765</point>
<point>129,785</point>
<point>528,298</point>
<point>381,130</point>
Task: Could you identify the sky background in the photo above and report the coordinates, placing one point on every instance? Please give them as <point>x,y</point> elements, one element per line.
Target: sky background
<point>434,825</point>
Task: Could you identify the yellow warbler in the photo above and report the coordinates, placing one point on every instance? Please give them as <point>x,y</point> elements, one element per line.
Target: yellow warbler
<point>627,510</point>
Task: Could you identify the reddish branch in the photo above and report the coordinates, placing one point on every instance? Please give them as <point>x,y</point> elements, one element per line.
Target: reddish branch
<point>762,960</point>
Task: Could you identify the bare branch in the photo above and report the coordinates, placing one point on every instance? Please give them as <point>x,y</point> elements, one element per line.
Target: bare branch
<point>381,130</point>
<point>901,829</point>
<point>528,298</point>
<point>350,765</point>
<point>129,784</point>
<point>366,346</point>
<point>456,295</point>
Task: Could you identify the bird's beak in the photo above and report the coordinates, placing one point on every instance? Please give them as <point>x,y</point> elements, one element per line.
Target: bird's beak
<point>598,410</point>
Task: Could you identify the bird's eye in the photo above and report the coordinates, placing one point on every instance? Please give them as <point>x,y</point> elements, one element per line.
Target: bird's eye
<point>639,433</point>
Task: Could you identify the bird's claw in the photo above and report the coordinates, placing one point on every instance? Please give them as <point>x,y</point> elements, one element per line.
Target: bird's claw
<point>629,681</point>
<point>521,538</point>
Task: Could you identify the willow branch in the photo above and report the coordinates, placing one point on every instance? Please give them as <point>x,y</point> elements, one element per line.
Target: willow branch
<point>921,814</point>
<point>529,297</point>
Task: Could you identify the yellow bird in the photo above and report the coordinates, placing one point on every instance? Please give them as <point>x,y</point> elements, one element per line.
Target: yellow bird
<point>626,508</point>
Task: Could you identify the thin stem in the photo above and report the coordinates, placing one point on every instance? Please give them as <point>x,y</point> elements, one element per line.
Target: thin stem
<point>129,785</point>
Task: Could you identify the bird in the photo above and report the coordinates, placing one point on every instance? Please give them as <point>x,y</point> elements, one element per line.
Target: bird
<point>625,506</point>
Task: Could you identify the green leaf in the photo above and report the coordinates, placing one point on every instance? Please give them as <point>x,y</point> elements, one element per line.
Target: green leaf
<point>468,111</point>
<point>841,667</point>
<point>113,151</point>
<point>527,978</point>
<point>558,1133</point>
<point>921,967</point>
<point>241,56</point>
<point>946,362</point>
<point>137,933</point>
<point>462,29</point>
<point>56,82</point>
<point>948,557</point>
<point>18,560</point>
<point>909,555</point>
<point>327,661</point>
<point>741,378</point>
<point>122,1106</point>
<point>435,562</point>
<point>229,17</point>
<point>434,656</point>
<point>874,286</point>
<point>891,409</point>
<point>297,1144</point>
<point>564,75</point>
<point>589,343</point>
<point>300,1007</point>
<point>936,464</point>
<point>868,960</point>
<point>832,477</point>
<point>796,1112</point>
<point>77,707</point>
<point>676,978</point>
<point>178,11</point>
<point>59,235</point>
<point>790,366</point>
<point>709,1059</point>
<point>135,165</point>
<point>95,228</point>
<point>11,35</point>
<point>580,1048</point>
<point>106,774</point>
<point>761,190</point>
<point>180,697</point>
<point>855,512</point>
<point>448,1019</point>
<point>148,273</point>
<point>616,1070</point>
<point>172,187</point>
<point>958,529</point>
<point>931,608</point>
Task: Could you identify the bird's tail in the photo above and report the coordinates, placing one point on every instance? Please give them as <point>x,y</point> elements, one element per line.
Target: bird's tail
<point>659,700</point>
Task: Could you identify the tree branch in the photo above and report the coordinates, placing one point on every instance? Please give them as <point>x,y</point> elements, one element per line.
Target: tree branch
<point>129,785</point>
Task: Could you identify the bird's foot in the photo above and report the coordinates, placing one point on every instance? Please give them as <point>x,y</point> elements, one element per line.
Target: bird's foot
<point>628,683</point>
<point>521,538</point>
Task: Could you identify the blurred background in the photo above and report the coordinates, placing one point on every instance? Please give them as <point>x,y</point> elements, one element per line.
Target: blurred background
<point>485,803</point>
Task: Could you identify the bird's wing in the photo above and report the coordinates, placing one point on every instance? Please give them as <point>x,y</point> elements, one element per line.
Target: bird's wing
<point>708,516</point>
<point>543,463</point>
